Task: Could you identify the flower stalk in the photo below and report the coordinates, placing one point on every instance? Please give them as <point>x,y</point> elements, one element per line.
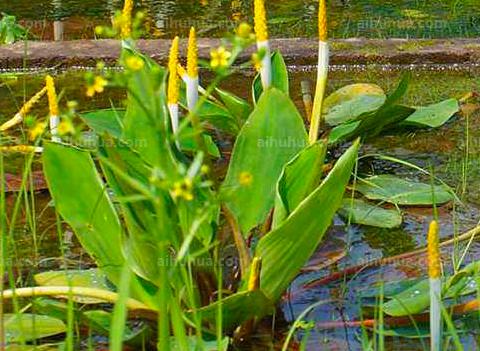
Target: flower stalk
<point>53,108</point>
<point>434,273</point>
<point>322,72</point>
<point>263,45</point>
<point>173,85</point>
<point>18,118</point>
<point>191,80</point>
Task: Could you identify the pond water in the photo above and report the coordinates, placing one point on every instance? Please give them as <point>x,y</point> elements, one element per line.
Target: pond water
<point>452,152</point>
<point>288,18</point>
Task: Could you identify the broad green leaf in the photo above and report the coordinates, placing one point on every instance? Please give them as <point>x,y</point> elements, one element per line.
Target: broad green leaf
<point>194,345</point>
<point>361,212</point>
<point>188,143</point>
<point>238,308</point>
<point>435,115</point>
<point>31,327</point>
<point>403,192</point>
<point>240,108</point>
<point>272,135</point>
<point>299,178</point>
<point>279,77</point>
<point>89,278</point>
<point>82,200</point>
<point>105,121</point>
<point>342,131</point>
<point>349,102</point>
<point>286,249</point>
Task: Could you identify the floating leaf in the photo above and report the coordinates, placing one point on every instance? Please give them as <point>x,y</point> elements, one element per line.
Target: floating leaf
<point>435,115</point>
<point>89,278</point>
<point>403,192</point>
<point>29,327</point>
<point>351,101</point>
<point>361,212</point>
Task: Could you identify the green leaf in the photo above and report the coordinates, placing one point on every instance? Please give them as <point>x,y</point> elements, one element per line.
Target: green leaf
<point>286,249</point>
<point>89,278</point>
<point>30,327</point>
<point>105,121</point>
<point>279,77</point>
<point>298,179</point>
<point>342,131</point>
<point>188,143</point>
<point>403,192</point>
<point>240,108</point>
<point>435,115</point>
<point>234,311</point>
<point>193,344</point>
<point>361,212</point>
<point>351,101</point>
<point>273,134</point>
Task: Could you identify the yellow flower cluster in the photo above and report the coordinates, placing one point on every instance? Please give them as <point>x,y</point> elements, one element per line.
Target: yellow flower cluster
<point>98,86</point>
<point>434,261</point>
<point>183,189</point>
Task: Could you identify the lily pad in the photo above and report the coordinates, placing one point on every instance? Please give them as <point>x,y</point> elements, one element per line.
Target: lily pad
<point>30,327</point>
<point>351,101</point>
<point>403,192</point>
<point>89,278</point>
<point>433,116</point>
<point>361,212</point>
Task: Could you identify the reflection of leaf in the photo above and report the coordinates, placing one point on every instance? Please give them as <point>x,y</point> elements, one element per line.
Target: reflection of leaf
<point>361,212</point>
<point>403,192</point>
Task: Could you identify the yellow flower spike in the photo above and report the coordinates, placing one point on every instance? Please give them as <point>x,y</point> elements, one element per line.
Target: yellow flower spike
<point>255,271</point>
<point>261,29</point>
<point>322,21</point>
<point>22,149</point>
<point>181,71</point>
<point>52,96</point>
<point>173,83</point>
<point>18,118</point>
<point>192,54</point>
<point>127,19</point>
<point>434,263</point>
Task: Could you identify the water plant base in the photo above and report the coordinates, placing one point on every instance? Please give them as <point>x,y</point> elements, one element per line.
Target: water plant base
<point>297,51</point>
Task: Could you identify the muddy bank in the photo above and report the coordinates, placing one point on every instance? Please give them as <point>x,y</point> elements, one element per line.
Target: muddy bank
<point>296,52</point>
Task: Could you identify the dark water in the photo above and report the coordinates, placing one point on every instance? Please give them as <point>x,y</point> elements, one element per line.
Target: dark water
<point>444,149</point>
<point>288,18</point>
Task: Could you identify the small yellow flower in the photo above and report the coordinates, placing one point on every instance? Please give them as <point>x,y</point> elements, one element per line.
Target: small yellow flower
<point>245,178</point>
<point>183,189</point>
<point>244,30</point>
<point>37,130</point>
<point>220,57</point>
<point>204,169</point>
<point>256,61</point>
<point>52,96</point>
<point>65,127</point>
<point>134,63</point>
<point>98,86</point>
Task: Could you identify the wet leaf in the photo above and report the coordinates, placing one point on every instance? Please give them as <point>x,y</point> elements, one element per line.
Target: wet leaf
<point>89,278</point>
<point>403,192</point>
<point>31,327</point>
<point>361,212</point>
<point>435,115</point>
<point>351,101</point>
